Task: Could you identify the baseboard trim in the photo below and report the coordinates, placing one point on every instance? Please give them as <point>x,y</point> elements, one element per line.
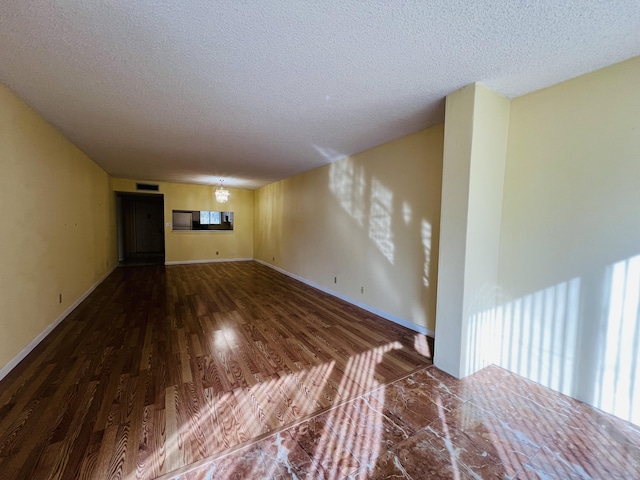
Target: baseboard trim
<point>13,363</point>
<point>213,260</point>
<point>393,318</point>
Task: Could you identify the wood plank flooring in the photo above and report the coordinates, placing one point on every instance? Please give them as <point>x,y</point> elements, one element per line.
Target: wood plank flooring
<point>161,367</point>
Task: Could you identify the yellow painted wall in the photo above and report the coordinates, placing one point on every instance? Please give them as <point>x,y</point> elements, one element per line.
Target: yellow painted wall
<point>193,246</point>
<point>475,144</point>
<point>58,225</point>
<point>570,237</point>
<point>371,220</point>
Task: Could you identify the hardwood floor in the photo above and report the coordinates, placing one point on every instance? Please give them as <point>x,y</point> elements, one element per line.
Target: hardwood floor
<point>161,367</point>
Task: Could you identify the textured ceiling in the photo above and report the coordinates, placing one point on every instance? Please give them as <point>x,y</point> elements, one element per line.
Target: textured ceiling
<point>256,91</point>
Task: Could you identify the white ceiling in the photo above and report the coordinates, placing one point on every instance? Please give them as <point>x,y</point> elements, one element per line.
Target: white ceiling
<point>256,91</point>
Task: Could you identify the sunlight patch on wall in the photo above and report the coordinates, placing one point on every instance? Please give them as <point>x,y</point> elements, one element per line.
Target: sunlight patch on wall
<point>380,219</point>
<point>348,183</point>
<point>538,336</point>
<point>425,232</point>
<point>534,336</point>
<point>406,213</point>
<point>618,389</point>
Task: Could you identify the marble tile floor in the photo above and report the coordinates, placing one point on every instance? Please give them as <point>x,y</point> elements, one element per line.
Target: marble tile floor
<point>493,424</point>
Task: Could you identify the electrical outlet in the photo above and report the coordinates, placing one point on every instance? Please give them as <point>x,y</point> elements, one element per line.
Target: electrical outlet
<point>217,253</point>
<point>273,259</point>
<point>361,289</point>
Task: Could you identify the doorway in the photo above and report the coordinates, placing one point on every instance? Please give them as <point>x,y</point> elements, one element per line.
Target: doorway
<point>140,219</point>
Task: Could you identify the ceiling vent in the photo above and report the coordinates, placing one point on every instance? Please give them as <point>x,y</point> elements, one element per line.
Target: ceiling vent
<point>147,187</point>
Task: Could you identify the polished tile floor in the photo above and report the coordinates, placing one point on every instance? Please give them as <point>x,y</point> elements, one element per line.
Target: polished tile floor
<point>493,424</point>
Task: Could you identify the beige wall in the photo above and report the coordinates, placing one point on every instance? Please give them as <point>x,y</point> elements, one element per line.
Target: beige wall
<point>58,225</point>
<point>570,239</point>
<point>202,246</point>
<point>458,142</point>
<point>475,144</point>
<point>370,220</point>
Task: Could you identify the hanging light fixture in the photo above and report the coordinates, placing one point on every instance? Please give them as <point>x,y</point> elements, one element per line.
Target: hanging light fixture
<point>221,193</point>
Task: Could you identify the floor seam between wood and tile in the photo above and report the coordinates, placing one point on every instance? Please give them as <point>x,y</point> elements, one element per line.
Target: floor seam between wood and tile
<point>212,458</point>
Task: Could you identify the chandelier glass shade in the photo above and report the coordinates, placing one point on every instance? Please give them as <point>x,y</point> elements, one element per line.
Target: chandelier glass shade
<point>222,194</point>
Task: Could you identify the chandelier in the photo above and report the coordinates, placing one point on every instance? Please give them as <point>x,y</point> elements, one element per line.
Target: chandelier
<point>222,194</point>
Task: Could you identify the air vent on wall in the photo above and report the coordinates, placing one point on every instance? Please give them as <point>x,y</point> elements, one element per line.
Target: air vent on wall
<point>148,187</point>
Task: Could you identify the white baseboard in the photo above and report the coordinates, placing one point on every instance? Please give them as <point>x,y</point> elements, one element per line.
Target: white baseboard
<point>393,318</point>
<point>34,343</point>
<point>214,260</point>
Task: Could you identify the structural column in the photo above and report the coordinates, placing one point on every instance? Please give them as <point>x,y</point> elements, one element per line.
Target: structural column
<point>475,145</point>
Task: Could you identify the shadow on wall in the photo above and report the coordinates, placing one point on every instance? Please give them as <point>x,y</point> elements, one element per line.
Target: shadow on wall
<point>581,337</point>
